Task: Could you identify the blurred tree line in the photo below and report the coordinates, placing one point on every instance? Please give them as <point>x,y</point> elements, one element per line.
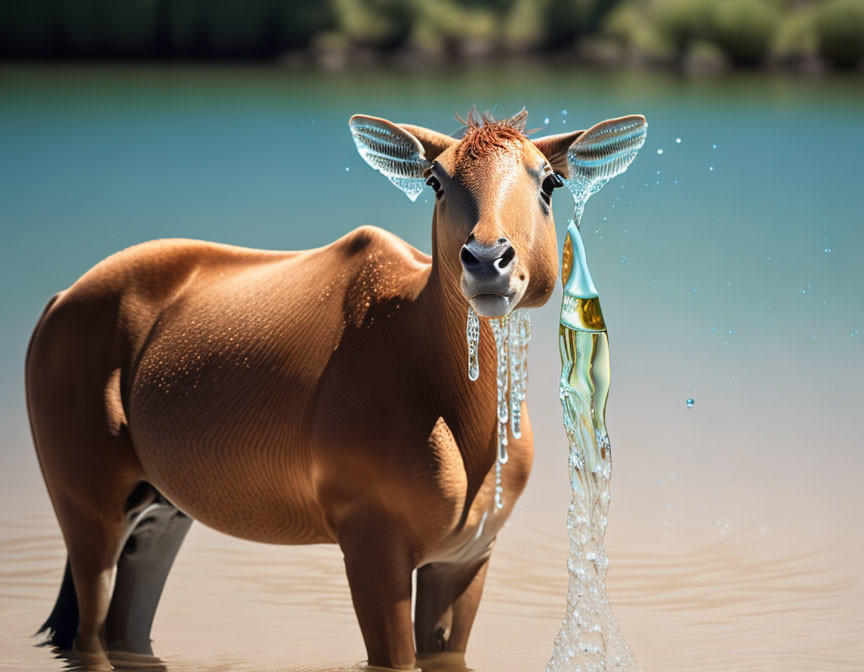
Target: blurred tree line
<point>697,35</point>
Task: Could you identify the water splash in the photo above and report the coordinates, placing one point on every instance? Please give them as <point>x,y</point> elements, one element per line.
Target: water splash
<point>512,334</point>
<point>602,152</point>
<point>590,639</point>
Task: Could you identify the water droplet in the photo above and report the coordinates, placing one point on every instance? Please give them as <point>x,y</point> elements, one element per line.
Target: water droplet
<point>731,331</point>
<point>710,169</point>
<point>623,259</point>
<point>714,330</point>
<point>690,403</point>
<point>546,121</point>
<point>563,113</point>
<point>674,181</point>
<point>347,169</point>
<point>803,291</point>
<point>659,151</point>
<point>827,250</point>
<point>677,141</point>
<point>853,334</point>
<point>714,146</point>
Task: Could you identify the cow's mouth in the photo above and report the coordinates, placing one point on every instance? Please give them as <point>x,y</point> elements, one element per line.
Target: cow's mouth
<point>490,304</point>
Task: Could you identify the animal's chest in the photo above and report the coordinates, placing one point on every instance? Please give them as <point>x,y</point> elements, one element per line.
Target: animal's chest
<point>474,538</point>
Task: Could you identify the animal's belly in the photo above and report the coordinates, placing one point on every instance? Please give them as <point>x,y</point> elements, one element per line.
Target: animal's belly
<point>228,446</point>
<point>239,486</point>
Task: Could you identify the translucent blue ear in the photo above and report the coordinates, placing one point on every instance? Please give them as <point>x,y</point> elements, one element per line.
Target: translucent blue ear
<point>600,153</point>
<point>392,151</point>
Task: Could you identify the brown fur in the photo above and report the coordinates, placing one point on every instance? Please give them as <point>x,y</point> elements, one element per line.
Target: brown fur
<point>299,397</point>
<point>485,139</point>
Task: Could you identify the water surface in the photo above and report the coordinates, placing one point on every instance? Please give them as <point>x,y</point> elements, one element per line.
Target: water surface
<point>729,266</point>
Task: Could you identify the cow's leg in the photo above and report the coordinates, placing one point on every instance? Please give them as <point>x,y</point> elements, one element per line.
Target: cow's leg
<point>158,530</point>
<point>94,533</point>
<point>448,596</point>
<point>379,565</point>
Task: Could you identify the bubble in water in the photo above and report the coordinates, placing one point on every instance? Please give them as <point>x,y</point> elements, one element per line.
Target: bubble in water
<point>659,151</point>
<point>677,141</point>
<point>546,121</point>
<point>563,113</point>
<point>714,146</point>
<point>690,403</point>
<point>347,169</point>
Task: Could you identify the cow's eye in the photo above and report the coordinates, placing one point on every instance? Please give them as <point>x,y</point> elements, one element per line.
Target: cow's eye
<point>550,184</point>
<point>433,182</point>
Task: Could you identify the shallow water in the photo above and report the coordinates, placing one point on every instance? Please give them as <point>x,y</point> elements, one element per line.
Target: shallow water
<point>735,526</point>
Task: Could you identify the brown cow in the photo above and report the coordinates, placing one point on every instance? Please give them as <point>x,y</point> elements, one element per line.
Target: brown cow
<point>299,398</point>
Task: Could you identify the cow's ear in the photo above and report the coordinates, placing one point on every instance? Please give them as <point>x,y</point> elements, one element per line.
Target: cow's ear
<point>589,159</point>
<point>400,152</point>
<point>555,148</point>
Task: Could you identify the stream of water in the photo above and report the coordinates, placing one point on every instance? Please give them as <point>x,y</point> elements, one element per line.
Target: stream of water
<point>590,639</point>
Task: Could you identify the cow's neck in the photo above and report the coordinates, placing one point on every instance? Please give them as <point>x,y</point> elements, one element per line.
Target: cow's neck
<point>440,349</point>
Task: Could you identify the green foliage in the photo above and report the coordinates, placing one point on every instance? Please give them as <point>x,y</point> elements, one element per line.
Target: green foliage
<point>640,38</point>
<point>737,32</point>
<point>795,39</point>
<point>682,22</point>
<point>743,29</point>
<point>840,27</point>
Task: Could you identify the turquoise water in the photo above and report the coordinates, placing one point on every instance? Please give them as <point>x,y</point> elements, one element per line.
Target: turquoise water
<point>729,265</point>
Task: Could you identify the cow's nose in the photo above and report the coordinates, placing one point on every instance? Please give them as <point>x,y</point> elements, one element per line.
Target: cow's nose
<point>487,262</point>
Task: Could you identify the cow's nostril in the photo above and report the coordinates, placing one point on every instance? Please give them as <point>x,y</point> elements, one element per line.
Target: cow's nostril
<point>506,258</point>
<point>468,259</point>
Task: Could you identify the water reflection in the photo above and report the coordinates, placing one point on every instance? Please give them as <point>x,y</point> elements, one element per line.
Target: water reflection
<point>750,597</point>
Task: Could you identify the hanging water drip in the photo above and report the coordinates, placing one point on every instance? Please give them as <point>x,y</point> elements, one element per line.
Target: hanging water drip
<point>520,334</point>
<point>501,332</point>
<point>512,334</point>
<point>472,330</point>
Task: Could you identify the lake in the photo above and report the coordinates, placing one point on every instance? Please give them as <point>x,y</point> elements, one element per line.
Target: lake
<point>728,261</point>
